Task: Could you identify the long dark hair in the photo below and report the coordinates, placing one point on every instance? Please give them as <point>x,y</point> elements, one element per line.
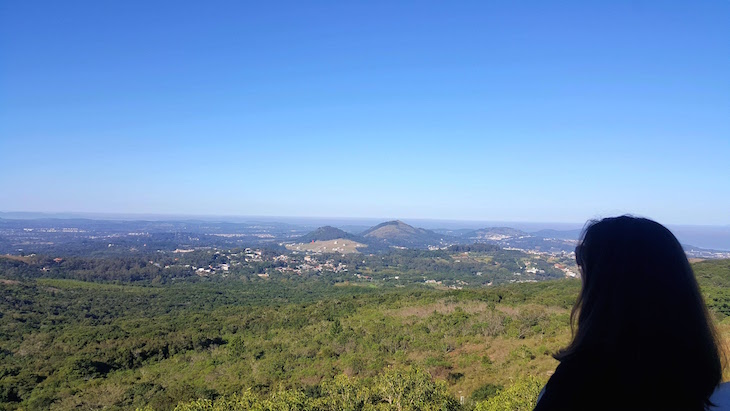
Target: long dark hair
<point>640,307</point>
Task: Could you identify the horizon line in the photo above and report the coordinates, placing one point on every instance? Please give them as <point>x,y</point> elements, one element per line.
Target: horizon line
<point>156,216</point>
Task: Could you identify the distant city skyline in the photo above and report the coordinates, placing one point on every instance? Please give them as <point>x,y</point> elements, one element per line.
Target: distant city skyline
<point>473,111</point>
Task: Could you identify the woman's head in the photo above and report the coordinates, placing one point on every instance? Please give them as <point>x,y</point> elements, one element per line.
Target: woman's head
<point>641,304</point>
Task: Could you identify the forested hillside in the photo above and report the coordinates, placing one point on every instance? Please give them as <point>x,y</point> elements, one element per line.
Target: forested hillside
<point>300,341</point>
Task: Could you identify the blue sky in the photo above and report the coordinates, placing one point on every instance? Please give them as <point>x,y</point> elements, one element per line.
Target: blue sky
<point>504,110</point>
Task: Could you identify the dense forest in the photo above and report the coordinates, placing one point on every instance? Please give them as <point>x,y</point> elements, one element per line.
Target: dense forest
<point>297,342</point>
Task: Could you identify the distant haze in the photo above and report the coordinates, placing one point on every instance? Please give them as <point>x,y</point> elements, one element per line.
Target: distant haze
<point>704,236</point>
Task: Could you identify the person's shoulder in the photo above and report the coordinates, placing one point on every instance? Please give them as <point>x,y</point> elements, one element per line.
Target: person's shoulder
<point>721,397</point>
<point>578,380</point>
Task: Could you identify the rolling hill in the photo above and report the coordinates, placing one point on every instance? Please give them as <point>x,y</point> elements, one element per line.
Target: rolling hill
<point>328,233</point>
<point>380,237</point>
<point>399,234</point>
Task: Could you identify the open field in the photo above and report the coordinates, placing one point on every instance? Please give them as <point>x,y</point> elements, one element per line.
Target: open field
<point>331,246</point>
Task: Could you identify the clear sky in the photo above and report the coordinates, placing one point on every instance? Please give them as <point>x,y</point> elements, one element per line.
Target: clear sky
<point>484,110</point>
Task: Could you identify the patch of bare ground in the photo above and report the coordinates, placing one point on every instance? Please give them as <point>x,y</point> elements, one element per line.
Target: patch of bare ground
<point>16,258</point>
<point>556,310</point>
<point>417,356</point>
<point>509,310</point>
<point>94,397</point>
<point>337,246</point>
<point>512,311</point>
<point>470,348</point>
<point>8,282</point>
<point>499,349</point>
<point>441,307</point>
<point>313,380</point>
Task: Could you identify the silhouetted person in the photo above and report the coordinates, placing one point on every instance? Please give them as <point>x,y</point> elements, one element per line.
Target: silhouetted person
<point>643,339</point>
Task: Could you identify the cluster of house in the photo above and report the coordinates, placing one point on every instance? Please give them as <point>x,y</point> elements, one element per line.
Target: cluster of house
<point>54,230</point>
<point>458,286</point>
<point>299,263</point>
<point>210,269</point>
<point>707,254</point>
<point>247,255</point>
<point>252,255</point>
<point>568,272</point>
<point>292,264</point>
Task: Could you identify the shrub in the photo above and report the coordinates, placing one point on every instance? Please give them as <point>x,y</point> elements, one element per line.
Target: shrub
<point>520,396</point>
